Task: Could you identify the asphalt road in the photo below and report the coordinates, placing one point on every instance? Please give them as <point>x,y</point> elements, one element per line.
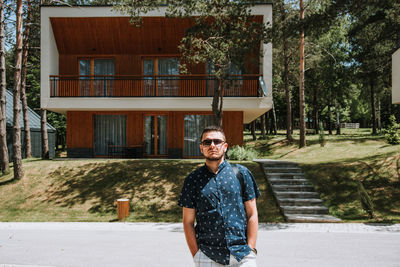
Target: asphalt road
<point>150,244</point>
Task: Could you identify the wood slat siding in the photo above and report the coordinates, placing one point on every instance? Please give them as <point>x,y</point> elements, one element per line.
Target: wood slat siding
<point>80,127</point>
<point>115,35</point>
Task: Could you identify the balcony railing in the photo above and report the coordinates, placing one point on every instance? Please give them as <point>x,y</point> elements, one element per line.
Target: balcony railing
<point>154,86</point>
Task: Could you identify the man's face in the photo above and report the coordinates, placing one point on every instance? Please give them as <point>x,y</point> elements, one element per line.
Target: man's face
<point>213,146</point>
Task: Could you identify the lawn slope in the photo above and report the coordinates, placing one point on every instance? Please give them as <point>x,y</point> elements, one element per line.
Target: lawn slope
<point>335,169</point>
<point>87,190</point>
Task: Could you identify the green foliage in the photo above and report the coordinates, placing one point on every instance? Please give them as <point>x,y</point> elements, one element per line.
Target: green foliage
<point>392,132</point>
<point>241,153</point>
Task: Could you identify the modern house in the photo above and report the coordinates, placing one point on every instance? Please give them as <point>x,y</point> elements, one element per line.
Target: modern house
<point>34,125</point>
<point>396,77</point>
<point>122,91</point>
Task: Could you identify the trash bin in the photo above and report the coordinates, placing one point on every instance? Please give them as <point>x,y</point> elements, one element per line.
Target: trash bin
<point>122,208</point>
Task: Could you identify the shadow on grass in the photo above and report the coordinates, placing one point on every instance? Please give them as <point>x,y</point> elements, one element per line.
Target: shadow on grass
<point>153,187</point>
<point>8,181</point>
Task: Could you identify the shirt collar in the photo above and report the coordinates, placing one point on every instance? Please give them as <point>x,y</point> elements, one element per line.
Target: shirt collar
<point>220,167</point>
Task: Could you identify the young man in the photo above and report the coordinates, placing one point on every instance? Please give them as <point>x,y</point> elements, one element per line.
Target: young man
<point>225,213</point>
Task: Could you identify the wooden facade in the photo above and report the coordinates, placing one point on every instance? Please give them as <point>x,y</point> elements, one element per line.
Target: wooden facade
<point>114,38</point>
<point>80,127</point>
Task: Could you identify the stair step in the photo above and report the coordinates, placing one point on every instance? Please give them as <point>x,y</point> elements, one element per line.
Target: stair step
<point>305,210</point>
<point>286,175</point>
<point>291,194</point>
<point>294,193</point>
<point>293,188</point>
<point>281,169</point>
<point>300,202</point>
<point>316,218</point>
<point>293,181</point>
<point>276,163</point>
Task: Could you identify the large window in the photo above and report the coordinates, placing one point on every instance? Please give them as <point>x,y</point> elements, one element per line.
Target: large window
<point>156,72</point>
<point>96,76</point>
<point>194,125</point>
<point>109,135</point>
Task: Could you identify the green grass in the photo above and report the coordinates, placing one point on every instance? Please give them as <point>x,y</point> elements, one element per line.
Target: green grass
<point>335,169</point>
<point>87,190</point>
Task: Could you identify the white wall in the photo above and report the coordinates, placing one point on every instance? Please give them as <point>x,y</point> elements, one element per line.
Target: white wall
<point>48,56</point>
<point>396,77</point>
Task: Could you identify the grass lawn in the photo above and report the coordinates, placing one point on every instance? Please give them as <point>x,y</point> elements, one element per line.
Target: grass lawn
<point>87,190</point>
<point>335,169</point>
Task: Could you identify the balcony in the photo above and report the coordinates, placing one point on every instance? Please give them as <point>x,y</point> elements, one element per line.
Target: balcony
<point>249,85</point>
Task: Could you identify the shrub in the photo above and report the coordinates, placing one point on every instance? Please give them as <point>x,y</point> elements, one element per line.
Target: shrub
<point>241,153</point>
<point>365,199</point>
<point>392,134</point>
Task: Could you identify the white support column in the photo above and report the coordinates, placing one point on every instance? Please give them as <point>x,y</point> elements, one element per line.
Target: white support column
<point>48,57</point>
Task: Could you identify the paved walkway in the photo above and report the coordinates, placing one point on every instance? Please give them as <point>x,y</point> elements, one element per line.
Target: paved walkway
<point>161,244</point>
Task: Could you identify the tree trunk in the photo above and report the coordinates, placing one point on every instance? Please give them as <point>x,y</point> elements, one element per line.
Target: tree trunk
<point>286,78</point>
<point>217,102</point>
<point>17,157</point>
<point>263,135</point>
<point>267,123</point>
<point>329,119</point>
<point>253,130</point>
<point>379,113</point>
<point>315,110</point>
<point>337,117</point>
<point>373,109</point>
<point>4,167</point>
<point>301,87</point>
<point>27,141</point>
<point>274,123</point>
<point>45,139</point>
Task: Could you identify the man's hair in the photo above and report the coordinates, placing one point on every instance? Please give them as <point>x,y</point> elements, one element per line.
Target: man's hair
<point>213,128</point>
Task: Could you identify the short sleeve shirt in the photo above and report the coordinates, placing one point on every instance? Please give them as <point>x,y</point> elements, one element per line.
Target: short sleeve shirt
<point>220,215</point>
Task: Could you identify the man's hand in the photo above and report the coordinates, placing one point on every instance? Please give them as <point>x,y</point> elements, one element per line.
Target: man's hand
<point>252,222</point>
<point>189,216</point>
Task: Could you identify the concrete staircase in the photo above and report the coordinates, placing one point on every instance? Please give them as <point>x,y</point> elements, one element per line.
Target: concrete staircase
<point>295,195</point>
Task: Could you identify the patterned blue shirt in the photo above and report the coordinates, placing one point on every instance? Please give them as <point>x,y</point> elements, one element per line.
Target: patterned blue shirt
<point>220,215</point>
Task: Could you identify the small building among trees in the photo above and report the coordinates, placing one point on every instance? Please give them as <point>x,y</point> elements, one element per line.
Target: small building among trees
<point>34,125</point>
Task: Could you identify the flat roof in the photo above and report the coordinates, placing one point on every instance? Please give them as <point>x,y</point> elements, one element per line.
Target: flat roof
<point>110,5</point>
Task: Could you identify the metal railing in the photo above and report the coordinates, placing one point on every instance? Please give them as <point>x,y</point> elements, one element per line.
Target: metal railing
<point>155,86</point>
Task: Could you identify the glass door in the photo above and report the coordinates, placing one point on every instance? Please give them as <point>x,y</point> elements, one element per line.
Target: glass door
<point>161,76</point>
<point>84,76</point>
<point>148,73</point>
<point>96,76</point>
<point>155,135</point>
<point>104,70</point>
<point>168,86</point>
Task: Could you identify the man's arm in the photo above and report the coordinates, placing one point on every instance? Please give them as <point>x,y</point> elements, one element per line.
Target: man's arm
<point>252,222</point>
<point>188,227</point>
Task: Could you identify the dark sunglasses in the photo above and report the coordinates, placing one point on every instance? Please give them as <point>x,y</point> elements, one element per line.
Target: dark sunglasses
<point>208,142</point>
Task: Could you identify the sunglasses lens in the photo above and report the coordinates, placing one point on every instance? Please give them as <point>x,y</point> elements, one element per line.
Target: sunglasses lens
<point>207,142</point>
<point>218,141</point>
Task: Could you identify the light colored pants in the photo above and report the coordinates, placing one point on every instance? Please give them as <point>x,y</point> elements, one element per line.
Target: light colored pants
<point>201,260</point>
